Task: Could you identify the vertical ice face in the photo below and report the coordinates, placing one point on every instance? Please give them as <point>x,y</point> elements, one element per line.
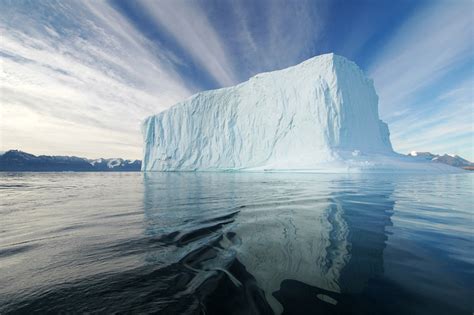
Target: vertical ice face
<point>301,117</point>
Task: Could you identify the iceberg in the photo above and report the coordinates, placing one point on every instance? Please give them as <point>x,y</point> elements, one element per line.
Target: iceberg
<point>320,115</point>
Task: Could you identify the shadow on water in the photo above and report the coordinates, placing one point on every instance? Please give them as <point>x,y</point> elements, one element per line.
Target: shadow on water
<point>249,244</point>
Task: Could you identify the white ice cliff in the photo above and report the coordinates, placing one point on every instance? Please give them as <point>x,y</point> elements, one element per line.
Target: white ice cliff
<point>319,115</point>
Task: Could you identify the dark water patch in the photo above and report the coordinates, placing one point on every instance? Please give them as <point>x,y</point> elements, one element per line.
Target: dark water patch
<point>121,215</point>
<point>70,228</point>
<point>177,288</point>
<point>223,217</point>
<point>194,235</point>
<point>381,296</point>
<point>15,249</point>
<point>223,296</point>
<point>10,186</point>
<point>140,290</point>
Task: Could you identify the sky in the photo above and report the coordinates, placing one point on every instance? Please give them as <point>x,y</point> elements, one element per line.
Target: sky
<point>79,77</point>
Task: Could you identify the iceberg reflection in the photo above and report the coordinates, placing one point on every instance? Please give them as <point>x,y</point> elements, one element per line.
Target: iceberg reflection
<point>269,239</point>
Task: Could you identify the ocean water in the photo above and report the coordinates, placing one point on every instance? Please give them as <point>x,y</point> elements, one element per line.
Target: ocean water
<point>236,243</point>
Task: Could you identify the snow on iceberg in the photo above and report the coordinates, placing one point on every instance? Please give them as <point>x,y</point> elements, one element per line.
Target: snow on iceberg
<point>309,117</point>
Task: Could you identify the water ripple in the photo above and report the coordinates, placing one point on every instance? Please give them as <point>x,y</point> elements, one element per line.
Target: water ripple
<point>218,243</point>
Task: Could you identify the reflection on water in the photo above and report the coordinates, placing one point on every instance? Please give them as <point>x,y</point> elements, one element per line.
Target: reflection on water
<point>219,243</point>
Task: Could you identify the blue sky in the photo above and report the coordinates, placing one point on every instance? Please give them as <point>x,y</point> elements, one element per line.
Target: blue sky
<point>78,77</point>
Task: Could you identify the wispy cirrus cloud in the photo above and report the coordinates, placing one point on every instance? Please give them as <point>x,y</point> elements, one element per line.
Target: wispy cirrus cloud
<point>81,67</point>
<point>188,24</point>
<point>81,70</point>
<point>436,40</point>
<point>422,77</point>
<point>447,127</point>
<point>275,34</point>
<point>234,40</point>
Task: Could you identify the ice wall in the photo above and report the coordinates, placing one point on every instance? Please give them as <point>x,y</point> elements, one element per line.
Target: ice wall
<point>304,117</point>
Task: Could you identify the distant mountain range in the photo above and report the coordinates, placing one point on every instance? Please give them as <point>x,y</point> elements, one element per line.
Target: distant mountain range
<point>449,159</point>
<point>15,160</point>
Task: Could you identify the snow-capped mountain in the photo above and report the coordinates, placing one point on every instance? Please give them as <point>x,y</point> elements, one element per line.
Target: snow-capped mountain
<point>449,159</point>
<point>320,115</point>
<point>114,164</point>
<point>15,160</point>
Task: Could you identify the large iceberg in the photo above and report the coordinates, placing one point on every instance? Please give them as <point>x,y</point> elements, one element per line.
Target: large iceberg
<point>320,115</point>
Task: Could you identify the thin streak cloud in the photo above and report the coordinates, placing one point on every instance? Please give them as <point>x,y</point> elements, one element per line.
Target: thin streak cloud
<point>190,27</point>
<point>433,42</point>
<point>88,68</point>
<point>447,129</point>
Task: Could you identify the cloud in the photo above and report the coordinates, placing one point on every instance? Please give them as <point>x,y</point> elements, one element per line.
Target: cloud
<point>86,74</point>
<point>85,69</point>
<point>287,32</point>
<point>446,127</point>
<point>234,40</point>
<point>413,73</point>
<point>79,77</point>
<point>190,27</point>
<point>294,29</point>
<point>430,44</point>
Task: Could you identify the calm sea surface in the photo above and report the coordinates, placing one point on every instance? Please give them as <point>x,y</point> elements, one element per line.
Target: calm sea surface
<point>233,243</point>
